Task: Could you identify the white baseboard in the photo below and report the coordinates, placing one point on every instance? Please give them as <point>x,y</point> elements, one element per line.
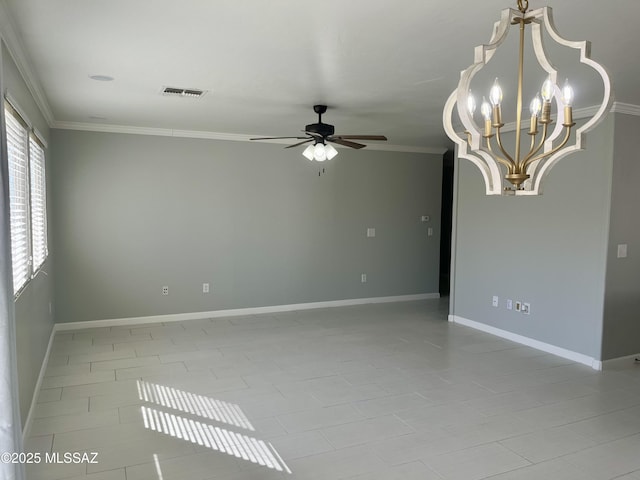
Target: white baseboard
<point>26,429</point>
<point>178,317</point>
<point>530,342</point>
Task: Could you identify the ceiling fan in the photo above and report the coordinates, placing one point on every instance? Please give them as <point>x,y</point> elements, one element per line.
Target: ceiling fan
<point>321,133</point>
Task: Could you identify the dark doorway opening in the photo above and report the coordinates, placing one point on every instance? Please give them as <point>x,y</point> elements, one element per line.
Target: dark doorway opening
<point>447,222</point>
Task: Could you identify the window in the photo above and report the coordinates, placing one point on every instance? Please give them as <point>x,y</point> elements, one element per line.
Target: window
<point>38,203</point>
<point>27,199</point>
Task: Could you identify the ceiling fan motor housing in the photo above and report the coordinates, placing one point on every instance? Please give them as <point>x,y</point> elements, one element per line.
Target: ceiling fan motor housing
<point>323,129</point>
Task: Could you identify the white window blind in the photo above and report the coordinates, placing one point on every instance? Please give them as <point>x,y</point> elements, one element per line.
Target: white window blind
<point>38,197</point>
<point>17,154</point>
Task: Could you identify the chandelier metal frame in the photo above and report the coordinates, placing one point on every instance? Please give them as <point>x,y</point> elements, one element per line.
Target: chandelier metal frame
<point>524,172</point>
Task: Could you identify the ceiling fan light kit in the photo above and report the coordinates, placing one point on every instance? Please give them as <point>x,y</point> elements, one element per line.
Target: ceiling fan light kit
<point>320,152</point>
<point>525,167</point>
<point>323,135</point>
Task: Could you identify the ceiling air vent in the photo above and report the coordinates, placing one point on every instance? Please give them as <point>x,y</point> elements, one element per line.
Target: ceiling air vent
<point>183,92</point>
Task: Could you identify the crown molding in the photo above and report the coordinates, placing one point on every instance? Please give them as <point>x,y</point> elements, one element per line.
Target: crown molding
<point>107,128</point>
<point>234,137</point>
<point>626,108</point>
<point>17,51</point>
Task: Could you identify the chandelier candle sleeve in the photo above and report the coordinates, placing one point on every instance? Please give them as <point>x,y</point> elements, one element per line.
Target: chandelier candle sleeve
<point>547,96</point>
<point>486,113</point>
<point>535,108</point>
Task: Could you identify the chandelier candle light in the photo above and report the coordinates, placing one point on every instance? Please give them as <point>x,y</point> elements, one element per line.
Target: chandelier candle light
<point>484,146</point>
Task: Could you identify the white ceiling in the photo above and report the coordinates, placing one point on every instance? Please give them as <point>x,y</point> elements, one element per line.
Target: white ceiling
<point>383,67</point>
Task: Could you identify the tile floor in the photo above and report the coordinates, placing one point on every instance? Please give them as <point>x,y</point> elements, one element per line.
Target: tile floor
<point>382,392</point>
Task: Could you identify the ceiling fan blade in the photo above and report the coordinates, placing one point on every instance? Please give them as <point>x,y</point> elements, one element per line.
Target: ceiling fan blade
<point>313,134</point>
<point>276,138</point>
<point>301,143</point>
<point>346,143</point>
<point>360,137</point>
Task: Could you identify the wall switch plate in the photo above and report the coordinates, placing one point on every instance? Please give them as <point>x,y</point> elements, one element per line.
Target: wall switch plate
<point>363,278</point>
<point>526,308</point>
<point>205,288</point>
<point>509,304</point>
<point>165,290</point>
<point>430,232</point>
<point>495,301</point>
<point>425,218</point>
<point>371,232</point>
<point>622,250</point>
<point>518,306</point>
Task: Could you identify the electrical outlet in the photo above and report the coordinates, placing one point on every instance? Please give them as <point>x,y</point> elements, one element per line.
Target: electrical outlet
<point>165,290</point>
<point>495,301</point>
<point>526,308</point>
<point>371,232</point>
<point>205,288</point>
<point>518,306</point>
<point>509,304</point>
<point>430,232</point>
<point>363,278</point>
<point>425,218</point>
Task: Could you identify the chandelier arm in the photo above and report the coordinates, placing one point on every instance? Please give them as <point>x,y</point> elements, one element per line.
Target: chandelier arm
<point>533,144</point>
<point>526,161</point>
<point>511,163</point>
<point>500,160</point>
<point>551,152</point>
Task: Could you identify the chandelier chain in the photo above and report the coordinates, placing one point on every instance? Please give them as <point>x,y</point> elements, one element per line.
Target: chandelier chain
<point>523,5</point>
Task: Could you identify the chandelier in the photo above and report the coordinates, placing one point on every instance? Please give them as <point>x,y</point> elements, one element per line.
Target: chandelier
<point>521,170</point>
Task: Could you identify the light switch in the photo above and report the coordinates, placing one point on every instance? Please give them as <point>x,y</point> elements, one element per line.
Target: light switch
<point>371,232</point>
<point>622,250</point>
<point>430,232</point>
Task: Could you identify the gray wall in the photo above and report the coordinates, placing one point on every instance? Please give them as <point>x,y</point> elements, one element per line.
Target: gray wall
<point>622,295</point>
<point>33,320</point>
<point>549,251</point>
<point>134,213</point>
